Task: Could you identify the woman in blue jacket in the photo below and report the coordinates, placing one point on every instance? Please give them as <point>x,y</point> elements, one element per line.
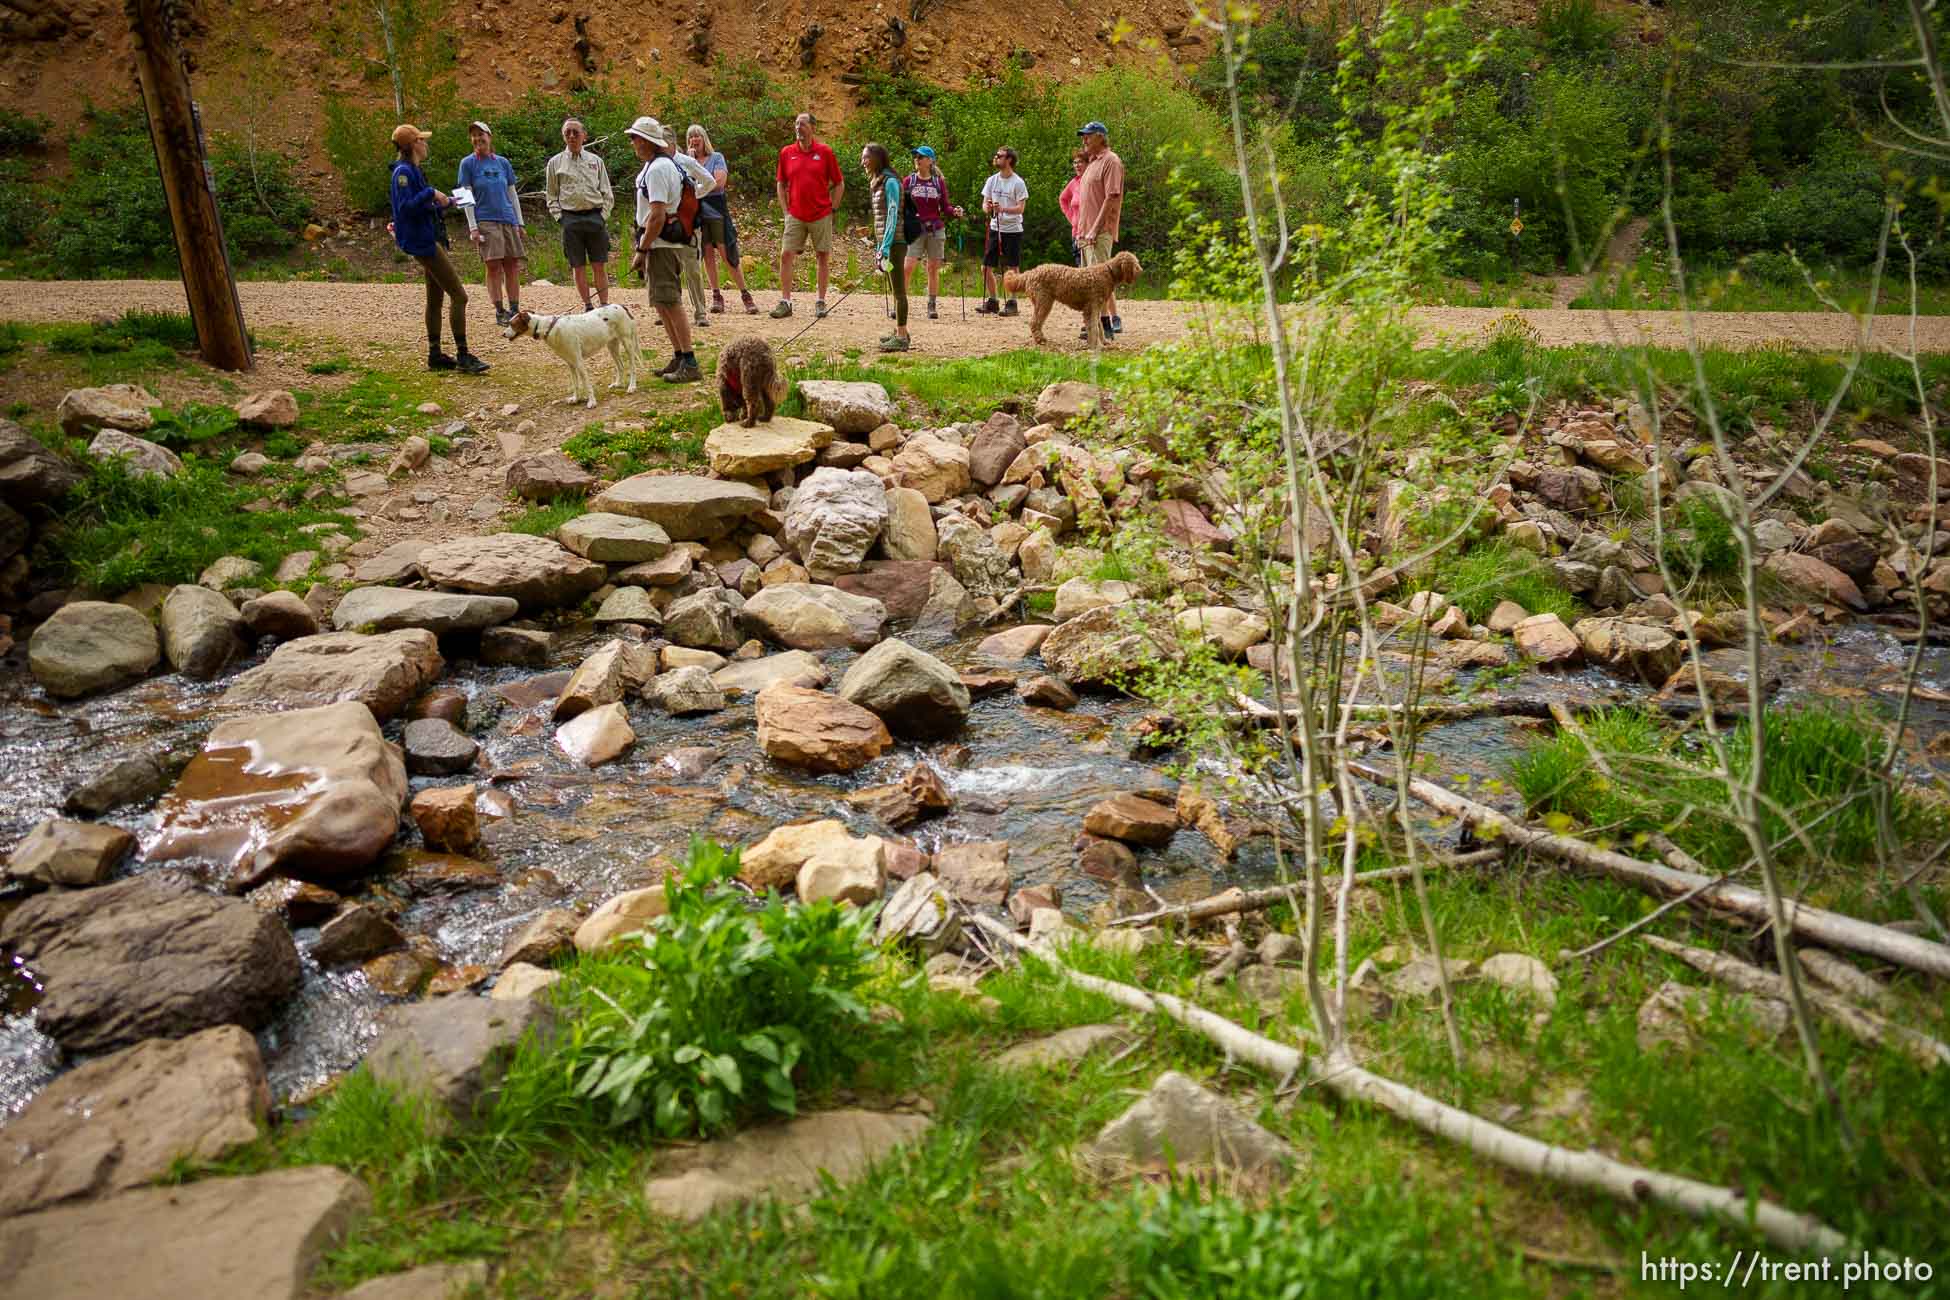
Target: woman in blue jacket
<point>416,229</point>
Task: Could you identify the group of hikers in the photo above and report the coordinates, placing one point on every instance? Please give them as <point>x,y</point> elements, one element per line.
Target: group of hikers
<point>682,226</point>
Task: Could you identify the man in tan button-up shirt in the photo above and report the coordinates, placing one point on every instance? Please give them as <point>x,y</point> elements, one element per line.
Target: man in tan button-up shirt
<point>579,198</point>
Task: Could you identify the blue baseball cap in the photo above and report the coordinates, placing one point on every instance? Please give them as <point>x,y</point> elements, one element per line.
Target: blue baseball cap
<point>923,151</point>
<point>1094,128</point>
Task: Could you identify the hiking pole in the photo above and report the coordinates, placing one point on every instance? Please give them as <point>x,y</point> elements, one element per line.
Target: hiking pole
<point>961,256</point>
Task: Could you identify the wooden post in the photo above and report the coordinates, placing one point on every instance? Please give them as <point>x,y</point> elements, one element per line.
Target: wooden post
<point>176,129</point>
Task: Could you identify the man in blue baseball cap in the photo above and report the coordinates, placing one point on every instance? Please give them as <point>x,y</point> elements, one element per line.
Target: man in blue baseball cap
<point>1100,205</point>
<point>927,188</point>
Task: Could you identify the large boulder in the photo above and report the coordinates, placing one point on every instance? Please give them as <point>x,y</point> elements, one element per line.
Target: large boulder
<point>1064,403</point>
<point>384,672</point>
<point>932,466</point>
<point>537,571</point>
<point>913,692</point>
<point>994,447</point>
<point>779,860</point>
<point>122,1120</point>
<point>818,732</point>
<point>201,630</point>
<point>1232,632</point>
<point>1813,579</point>
<point>910,532</point>
<point>614,539</point>
<point>689,507</point>
<point>115,406</point>
<point>275,408</point>
<point>849,405</point>
<point>89,646</point>
<point>807,616</point>
<point>139,456</point>
<point>1099,647</point>
<point>69,854</point>
<point>1649,654</point>
<point>150,957</point>
<point>704,620</point>
<point>1081,595</point>
<point>835,518</point>
<point>312,792</point>
<point>737,452</point>
<point>903,586</point>
<point>1543,639</point>
<point>1133,819</point>
<point>30,474</point>
<point>388,609</point>
<point>548,476</point>
<point>454,1051</point>
<point>259,1236</point>
<point>979,564</point>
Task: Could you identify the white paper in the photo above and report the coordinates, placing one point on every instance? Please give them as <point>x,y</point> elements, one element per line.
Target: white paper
<point>464,196</point>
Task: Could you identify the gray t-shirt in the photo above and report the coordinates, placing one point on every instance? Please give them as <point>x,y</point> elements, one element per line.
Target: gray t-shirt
<point>1008,192</point>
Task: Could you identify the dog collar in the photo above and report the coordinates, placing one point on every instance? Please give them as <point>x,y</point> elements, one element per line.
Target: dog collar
<point>548,329</point>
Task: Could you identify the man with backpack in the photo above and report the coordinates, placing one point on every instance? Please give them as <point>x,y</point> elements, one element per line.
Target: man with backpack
<point>666,220</point>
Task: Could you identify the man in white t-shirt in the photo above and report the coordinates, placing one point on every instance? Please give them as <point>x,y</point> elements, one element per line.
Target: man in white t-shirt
<point>1005,196</point>
<point>659,190</point>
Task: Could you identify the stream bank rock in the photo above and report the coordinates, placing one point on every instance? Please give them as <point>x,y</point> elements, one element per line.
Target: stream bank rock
<point>835,517</point>
<point>89,646</point>
<point>688,507</point>
<point>849,405</point>
<point>201,630</point>
<point>1098,647</point>
<point>807,616</point>
<point>385,672</point>
<point>313,793</point>
<point>538,572</point>
<point>259,1236</point>
<point>120,1121</point>
<point>150,957</point>
<point>780,860</point>
<point>818,732</point>
<point>782,443</point>
<point>1179,1122</point>
<point>779,1161</point>
<point>614,539</point>
<point>913,692</point>
<point>455,1050</point>
<point>388,609</point>
<point>69,854</point>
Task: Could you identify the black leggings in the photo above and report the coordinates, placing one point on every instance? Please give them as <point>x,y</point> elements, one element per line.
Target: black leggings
<point>443,279</point>
<point>897,259</point>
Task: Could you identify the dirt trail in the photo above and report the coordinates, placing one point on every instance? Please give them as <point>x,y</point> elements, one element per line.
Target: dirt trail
<point>390,315</point>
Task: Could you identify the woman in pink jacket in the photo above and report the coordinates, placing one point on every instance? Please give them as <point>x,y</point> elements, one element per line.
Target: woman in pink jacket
<point>1067,201</point>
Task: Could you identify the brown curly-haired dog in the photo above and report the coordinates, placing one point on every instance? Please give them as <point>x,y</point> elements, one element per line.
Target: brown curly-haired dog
<point>1085,288</point>
<point>749,384</point>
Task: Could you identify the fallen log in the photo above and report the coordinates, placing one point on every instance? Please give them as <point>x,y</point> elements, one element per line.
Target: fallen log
<point>1234,901</point>
<point>1829,929</point>
<point>1583,1169</point>
<point>1863,1025</point>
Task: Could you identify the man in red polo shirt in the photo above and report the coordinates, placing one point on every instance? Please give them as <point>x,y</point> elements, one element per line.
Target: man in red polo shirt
<point>810,186</point>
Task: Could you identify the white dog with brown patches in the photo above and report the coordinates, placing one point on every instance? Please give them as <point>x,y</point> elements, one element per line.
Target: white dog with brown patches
<point>579,337</point>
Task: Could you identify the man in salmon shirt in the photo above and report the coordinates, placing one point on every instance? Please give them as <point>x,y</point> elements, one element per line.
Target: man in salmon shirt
<point>810,186</point>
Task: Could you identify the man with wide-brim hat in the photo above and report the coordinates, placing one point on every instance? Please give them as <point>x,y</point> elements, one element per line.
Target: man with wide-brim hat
<point>1100,206</point>
<point>658,258</point>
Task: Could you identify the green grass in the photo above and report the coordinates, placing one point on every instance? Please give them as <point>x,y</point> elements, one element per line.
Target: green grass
<point>376,406</point>
<point>665,439</point>
<point>967,388</point>
<point>128,350</point>
<point>1477,579</point>
<point>543,521</point>
<point>1764,282</point>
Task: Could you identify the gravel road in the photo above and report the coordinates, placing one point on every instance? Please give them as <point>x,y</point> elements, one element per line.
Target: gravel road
<point>390,314</point>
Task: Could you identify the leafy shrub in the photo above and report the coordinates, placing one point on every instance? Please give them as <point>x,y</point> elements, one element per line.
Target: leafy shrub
<point>1482,576</point>
<point>191,423</point>
<point>264,209</point>
<point>20,204</point>
<point>21,133</point>
<point>724,1009</point>
<point>674,437</point>
<point>1575,28</point>
<point>1703,545</point>
<point>543,521</point>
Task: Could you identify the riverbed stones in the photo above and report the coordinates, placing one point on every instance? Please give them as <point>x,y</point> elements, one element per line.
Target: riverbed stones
<point>784,1162</point>
<point>623,914</point>
<point>688,507</point>
<point>932,466</point>
<point>1016,643</point>
<point>515,647</point>
<point>976,872</point>
<point>918,795</point>
<point>259,1236</point>
<point>436,747</point>
<point>88,646</point>
<point>792,667</point>
<point>920,915</point>
<point>1646,654</point>
<point>150,957</point>
<point>704,620</point>
<point>387,609</point>
<point>855,876</point>
<point>978,562</point>
<point>849,405</point>
<point>1813,579</point>
<point>1180,1123</point>
<point>808,616</point>
<point>120,1121</point>
<point>782,443</point>
<point>1543,639</point>
<point>614,539</point>
<point>548,476</point>
<point>1232,632</point>
<point>280,615</point>
<point>69,854</point>
<point>684,691</point>
<point>913,692</point>
<point>357,934</point>
<point>538,572</point>
<point>835,517</point>
<point>1081,595</point>
<point>1133,819</point>
<point>1047,692</point>
<point>1099,647</point>
<point>596,681</point>
<point>308,792</point>
<point>775,862</point>
<point>909,533</point>
<point>83,411</point>
<point>818,732</point>
<point>550,934</point>
<point>522,980</point>
<point>127,779</point>
<point>454,1051</point>
<point>385,672</point>
<point>599,736</point>
<point>201,630</point>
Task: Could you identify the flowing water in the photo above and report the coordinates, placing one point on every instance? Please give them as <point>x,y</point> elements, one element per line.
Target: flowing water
<point>561,835</point>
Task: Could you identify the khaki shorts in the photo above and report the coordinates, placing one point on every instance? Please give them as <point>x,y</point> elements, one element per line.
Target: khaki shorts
<point>710,230</point>
<point>932,246</point>
<point>500,241</point>
<point>1096,251</point>
<point>800,235</point>
<point>663,271</point>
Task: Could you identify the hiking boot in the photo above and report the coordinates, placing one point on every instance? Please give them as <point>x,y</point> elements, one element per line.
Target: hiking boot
<point>717,302</point>
<point>1009,308</point>
<point>438,360</point>
<point>819,308</point>
<point>751,308</point>
<point>669,366</point>
<point>989,307</point>
<point>502,315</point>
<point>783,310</point>
<point>932,314</point>
<point>588,305</point>
<point>685,373</point>
<point>893,343</point>
<point>1117,324</point>
<point>469,364</point>
<point>703,322</point>
<point>1103,323</point>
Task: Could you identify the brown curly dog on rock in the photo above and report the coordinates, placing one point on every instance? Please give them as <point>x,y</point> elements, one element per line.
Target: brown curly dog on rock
<point>1085,288</point>
<point>749,384</point>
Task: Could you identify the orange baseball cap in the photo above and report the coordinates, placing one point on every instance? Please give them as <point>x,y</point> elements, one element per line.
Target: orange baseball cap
<point>405,134</point>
